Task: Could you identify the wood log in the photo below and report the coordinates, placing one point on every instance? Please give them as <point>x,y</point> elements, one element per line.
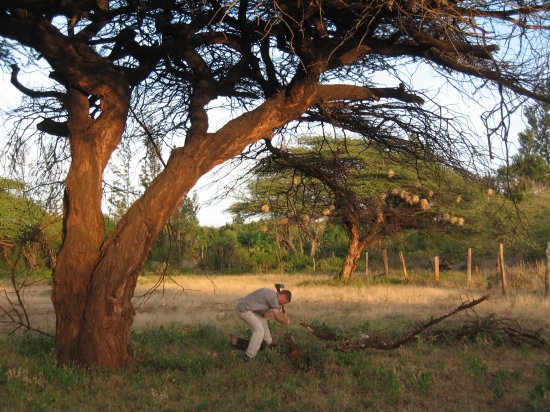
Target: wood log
<point>295,353</point>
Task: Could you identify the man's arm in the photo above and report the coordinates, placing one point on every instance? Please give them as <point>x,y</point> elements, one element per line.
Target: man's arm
<point>278,315</point>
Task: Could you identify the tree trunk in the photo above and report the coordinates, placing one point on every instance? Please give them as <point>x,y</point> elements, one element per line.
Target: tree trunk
<point>352,254</point>
<point>92,143</point>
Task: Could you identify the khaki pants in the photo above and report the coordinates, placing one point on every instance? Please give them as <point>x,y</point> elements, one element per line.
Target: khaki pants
<point>260,331</point>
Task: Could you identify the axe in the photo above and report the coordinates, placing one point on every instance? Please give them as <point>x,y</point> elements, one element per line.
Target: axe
<point>279,287</point>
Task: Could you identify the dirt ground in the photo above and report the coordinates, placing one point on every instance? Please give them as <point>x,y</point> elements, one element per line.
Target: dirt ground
<point>196,300</point>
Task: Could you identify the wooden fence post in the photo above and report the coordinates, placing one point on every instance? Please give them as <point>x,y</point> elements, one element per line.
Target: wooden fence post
<point>386,263</point>
<point>469,267</point>
<point>502,268</point>
<point>405,274</point>
<point>436,268</point>
<point>366,264</point>
<point>547,272</point>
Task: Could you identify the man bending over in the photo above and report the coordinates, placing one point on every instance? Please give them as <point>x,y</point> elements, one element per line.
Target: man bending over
<point>254,309</point>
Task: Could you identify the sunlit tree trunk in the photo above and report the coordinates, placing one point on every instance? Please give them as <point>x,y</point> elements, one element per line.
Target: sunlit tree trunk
<point>353,252</point>
<point>358,241</point>
<point>92,142</point>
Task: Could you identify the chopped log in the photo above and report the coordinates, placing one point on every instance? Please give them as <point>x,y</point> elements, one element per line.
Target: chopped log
<point>295,353</point>
<point>238,343</point>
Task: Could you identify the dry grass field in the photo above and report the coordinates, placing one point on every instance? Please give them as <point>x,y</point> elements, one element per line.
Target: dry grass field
<point>185,362</point>
<point>211,300</point>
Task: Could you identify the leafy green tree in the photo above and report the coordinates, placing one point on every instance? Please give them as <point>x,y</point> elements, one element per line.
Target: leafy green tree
<point>182,230</point>
<point>25,226</point>
<point>531,166</point>
<point>290,206</point>
<point>536,139</point>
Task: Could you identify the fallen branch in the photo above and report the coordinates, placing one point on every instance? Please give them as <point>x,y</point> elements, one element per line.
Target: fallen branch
<point>377,343</point>
<point>491,325</point>
<point>321,334</point>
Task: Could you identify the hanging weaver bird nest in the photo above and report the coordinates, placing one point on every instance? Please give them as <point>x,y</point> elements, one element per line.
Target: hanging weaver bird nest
<point>326,212</point>
<point>283,221</point>
<point>490,192</point>
<point>458,199</point>
<point>391,173</point>
<point>265,208</point>
<point>305,219</point>
<point>431,193</point>
<point>413,199</point>
<point>424,204</point>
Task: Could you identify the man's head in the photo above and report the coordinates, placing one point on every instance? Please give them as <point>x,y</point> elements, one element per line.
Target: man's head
<point>284,297</point>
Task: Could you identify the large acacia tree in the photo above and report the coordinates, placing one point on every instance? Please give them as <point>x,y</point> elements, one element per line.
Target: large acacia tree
<point>276,61</point>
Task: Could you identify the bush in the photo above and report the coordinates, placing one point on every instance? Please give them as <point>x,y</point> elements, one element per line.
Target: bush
<point>332,264</point>
<point>300,262</point>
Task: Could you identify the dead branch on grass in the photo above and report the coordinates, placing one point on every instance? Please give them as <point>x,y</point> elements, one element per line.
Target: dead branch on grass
<point>490,325</point>
<point>321,334</point>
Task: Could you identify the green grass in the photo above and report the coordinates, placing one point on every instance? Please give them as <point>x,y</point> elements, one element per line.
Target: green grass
<point>196,369</point>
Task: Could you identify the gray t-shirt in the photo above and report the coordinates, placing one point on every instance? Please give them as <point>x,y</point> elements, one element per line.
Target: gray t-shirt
<point>259,301</point>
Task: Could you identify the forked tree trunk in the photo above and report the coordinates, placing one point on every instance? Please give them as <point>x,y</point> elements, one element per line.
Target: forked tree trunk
<point>353,253</point>
<point>357,243</point>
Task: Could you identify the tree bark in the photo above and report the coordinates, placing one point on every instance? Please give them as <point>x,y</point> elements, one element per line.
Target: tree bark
<point>357,242</point>
<point>92,143</point>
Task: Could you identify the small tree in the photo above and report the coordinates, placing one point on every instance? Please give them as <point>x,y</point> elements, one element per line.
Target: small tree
<point>123,189</point>
<point>372,195</point>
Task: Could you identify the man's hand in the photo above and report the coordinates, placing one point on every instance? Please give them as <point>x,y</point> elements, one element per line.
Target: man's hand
<point>281,317</point>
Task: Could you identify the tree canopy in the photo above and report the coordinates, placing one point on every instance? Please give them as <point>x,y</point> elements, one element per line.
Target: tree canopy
<point>372,193</point>
<point>530,167</point>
